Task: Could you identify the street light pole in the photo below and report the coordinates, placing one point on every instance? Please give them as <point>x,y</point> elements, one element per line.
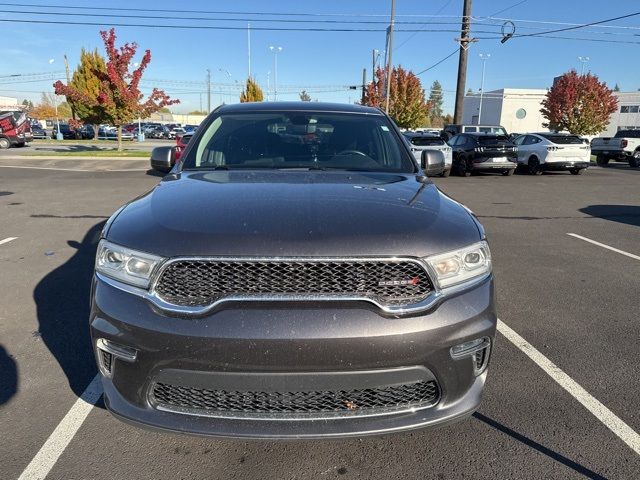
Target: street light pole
<point>484,57</point>
<point>275,51</point>
<point>582,60</point>
<point>390,50</point>
<point>208,91</point>
<point>59,135</point>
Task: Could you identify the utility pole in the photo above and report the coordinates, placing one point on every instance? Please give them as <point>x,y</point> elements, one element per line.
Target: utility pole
<point>249,46</point>
<point>364,82</point>
<point>484,57</point>
<point>208,91</point>
<point>390,50</point>
<point>66,67</point>
<point>464,41</point>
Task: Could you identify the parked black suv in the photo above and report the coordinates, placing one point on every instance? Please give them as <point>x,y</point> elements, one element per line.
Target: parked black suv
<point>296,275</point>
<point>481,152</point>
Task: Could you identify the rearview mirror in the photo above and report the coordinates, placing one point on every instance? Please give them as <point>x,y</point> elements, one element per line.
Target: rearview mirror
<point>163,158</point>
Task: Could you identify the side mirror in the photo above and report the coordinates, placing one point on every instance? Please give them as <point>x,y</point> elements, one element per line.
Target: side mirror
<point>163,158</point>
<point>432,160</point>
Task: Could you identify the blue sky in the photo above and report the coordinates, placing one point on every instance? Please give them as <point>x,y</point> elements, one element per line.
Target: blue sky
<point>326,61</point>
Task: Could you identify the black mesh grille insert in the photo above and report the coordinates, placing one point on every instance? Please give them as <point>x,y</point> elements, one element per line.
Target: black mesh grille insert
<point>313,403</point>
<point>202,282</point>
<point>106,358</point>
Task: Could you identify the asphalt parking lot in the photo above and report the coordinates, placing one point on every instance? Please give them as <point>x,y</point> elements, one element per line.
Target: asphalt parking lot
<point>562,298</point>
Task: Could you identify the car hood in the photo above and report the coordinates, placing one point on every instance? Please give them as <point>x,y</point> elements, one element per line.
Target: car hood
<point>293,213</point>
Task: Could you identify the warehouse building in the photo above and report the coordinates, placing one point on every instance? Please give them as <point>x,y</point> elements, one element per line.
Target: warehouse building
<point>518,110</point>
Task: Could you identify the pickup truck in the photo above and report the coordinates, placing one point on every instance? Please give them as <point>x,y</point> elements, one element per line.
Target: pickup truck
<point>624,146</point>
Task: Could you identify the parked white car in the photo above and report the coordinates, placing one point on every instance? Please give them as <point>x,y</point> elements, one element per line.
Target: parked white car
<point>422,141</point>
<point>623,146</point>
<point>541,152</point>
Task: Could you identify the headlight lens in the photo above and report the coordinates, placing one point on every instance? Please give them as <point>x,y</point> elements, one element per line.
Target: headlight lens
<point>128,266</point>
<point>460,266</point>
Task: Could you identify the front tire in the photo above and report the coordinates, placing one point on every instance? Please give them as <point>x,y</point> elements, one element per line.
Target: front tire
<point>534,166</point>
<point>576,171</point>
<point>634,161</point>
<point>4,144</point>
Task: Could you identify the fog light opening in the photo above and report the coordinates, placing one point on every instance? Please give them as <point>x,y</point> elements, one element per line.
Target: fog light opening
<point>107,353</point>
<point>467,349</point>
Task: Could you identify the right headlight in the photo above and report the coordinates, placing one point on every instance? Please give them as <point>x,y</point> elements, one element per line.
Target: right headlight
<point>461,266</point>
<point>126,265</point>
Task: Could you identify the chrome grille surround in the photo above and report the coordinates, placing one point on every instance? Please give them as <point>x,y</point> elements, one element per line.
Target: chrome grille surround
<point>216,280</point>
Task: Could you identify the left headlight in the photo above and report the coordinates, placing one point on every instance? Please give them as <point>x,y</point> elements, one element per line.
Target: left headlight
<point>461,266</point>
<point>126,265</point>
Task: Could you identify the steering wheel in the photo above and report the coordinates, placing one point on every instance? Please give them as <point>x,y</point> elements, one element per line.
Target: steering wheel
<point>352,152</point>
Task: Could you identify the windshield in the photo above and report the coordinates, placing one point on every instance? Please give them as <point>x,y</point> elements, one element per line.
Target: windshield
<point>304,140</point>
<point>628,134</point>
<point>426,141</point>
<point>493,140</point>
<point>563,139</point>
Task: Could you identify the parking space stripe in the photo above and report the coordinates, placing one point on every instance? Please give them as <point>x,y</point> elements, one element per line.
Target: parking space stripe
<point>75,169</point>
<point>52,449</point>
<point>602,413</point>
<point>7,240</point>
<point>613,249</point>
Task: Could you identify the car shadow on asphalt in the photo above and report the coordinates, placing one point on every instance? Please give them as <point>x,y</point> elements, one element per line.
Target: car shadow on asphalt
<point>582,470</point>
<point>629,214</point>
<point>62,300</point>
<point>8,376</point>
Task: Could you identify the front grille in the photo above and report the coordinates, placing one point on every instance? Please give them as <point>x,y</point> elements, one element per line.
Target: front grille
<point>296,404</point>
<point>204,281</point>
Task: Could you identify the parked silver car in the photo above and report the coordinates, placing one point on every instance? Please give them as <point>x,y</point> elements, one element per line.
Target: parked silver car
<point>426,141</point>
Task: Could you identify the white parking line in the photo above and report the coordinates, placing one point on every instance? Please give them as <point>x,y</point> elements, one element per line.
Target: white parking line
<point>613,249</point>
<point>75,169</point>
<point>49,453</point>
<point>602,413</point>
<point>7,240</point>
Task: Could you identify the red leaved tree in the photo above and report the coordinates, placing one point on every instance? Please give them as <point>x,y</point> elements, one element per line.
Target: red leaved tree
<point>580,104</point>
<point>119,97</point>
<point>407,104</point>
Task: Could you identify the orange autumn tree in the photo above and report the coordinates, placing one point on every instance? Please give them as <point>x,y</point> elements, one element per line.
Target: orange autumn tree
<point>579,104</point>
<point>119,98</point>
<point>407,104</point>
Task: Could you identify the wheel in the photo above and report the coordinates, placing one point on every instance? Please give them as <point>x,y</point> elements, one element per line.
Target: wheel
<point>4,143</point>
<point>634,161</point>
<point>508,173</point>
<point>534,166</point>
<point>601,160</point>
<point>446,173</point>
<point>462,170</point>
<point>576,171</point>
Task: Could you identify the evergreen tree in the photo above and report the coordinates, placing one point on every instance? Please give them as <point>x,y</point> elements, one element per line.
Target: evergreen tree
<point>436,100</point>
<point>252,92</point>
<point>304,96</point>
<point>616,88</point>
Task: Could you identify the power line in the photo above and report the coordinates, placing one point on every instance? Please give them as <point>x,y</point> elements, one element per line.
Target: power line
<point>414,34</point>
<point>575,27</point>
<point>508,8</point>
<point>438,62</point>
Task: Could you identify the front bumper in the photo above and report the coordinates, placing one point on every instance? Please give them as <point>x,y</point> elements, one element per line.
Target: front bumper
<point>330,345</point>
<point>564,165</point>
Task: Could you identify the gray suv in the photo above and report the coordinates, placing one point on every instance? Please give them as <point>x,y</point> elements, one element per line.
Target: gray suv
<point>295,275</point>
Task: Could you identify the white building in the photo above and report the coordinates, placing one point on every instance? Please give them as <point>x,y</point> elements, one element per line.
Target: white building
<point>8,103</point>
<point>628,114</point>
<point>518,110</point>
